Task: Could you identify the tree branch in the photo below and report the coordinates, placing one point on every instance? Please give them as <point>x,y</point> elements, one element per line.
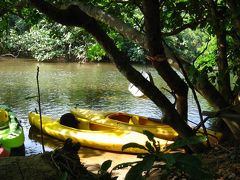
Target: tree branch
<point>113,22</point>
<point>191,25</point>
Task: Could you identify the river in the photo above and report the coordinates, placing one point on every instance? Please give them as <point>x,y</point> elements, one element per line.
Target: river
<point>65,85</point>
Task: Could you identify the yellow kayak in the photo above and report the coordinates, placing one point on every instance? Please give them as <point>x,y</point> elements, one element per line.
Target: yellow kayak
<point>125,121</point>
<point>93,135</point>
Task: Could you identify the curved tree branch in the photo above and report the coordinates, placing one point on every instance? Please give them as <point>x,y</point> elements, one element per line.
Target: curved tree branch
<point>115,23</point>
<point>191,25</point>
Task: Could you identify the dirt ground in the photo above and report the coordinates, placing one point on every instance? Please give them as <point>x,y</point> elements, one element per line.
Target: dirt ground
<point>93,159</point>
<point>223,161</point>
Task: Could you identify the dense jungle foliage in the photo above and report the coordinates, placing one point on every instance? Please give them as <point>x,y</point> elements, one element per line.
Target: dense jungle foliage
<point>46,40</point>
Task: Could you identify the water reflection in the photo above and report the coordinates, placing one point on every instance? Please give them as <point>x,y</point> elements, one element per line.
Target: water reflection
<point>95,86</point>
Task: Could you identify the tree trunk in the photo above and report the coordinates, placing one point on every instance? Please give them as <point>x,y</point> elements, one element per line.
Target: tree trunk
<point>224,77</point>
<point>159,59</point>
<point>234,6</point>
<point>222,63</point>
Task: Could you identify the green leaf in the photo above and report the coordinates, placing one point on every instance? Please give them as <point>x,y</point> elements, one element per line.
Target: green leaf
<point>157,147</point>
<point>136,171</point>
<point>192,165</point>
<point>169,159</point>
<point>105,166</point>
<point>187,141</point>
<point>149,135</point>
<point>124,165</point>
<point>150,147</point>
<point>133,145</point>
<point>63,175</point>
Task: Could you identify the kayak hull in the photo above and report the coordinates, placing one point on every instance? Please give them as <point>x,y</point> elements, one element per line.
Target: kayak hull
<point>125,121</point>
<point>93,136</point>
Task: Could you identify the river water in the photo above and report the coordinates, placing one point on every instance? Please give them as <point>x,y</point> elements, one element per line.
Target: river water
<point>65,85</point>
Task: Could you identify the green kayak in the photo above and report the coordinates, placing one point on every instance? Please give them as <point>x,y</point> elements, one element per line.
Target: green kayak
<point>11,131</point>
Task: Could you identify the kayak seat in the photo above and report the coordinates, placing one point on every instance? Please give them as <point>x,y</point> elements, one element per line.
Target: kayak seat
<point>134,120</point>
<point>139,120</point>
<point>69,120</point>
<point>120,117</point>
